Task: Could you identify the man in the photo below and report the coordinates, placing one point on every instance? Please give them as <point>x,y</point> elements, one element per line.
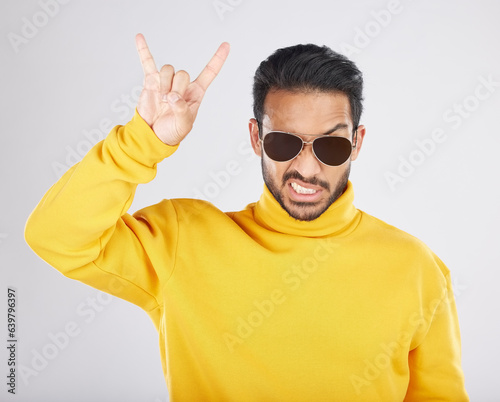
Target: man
<point>300,296</point>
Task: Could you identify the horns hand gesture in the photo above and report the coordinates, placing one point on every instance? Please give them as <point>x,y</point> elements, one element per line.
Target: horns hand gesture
<point>169,101</point>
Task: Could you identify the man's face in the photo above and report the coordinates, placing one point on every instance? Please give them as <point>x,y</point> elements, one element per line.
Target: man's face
<point>304,186</point>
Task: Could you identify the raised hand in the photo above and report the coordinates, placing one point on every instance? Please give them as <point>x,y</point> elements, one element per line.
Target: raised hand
<point>169,101</point>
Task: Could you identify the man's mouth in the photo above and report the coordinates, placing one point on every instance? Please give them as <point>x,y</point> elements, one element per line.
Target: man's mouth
<point>302,190</point>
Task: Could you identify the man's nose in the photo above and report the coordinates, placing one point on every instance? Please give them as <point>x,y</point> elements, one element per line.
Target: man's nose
<point>306,162</point>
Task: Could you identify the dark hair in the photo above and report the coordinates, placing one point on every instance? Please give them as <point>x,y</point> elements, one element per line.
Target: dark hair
<point>305,68</point>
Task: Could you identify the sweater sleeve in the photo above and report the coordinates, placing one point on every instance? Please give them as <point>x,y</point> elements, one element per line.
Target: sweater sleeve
<point>81,226</point>
<point>435,365</point>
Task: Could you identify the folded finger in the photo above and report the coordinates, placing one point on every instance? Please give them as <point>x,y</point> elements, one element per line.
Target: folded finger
<point>166,75</point>
<point>180,82</point>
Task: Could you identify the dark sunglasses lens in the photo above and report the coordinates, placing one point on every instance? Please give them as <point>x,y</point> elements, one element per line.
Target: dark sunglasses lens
<point>333,151</point>
<point>281,147</point>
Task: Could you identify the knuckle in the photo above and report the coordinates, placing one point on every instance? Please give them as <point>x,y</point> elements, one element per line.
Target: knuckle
<point>150,80</point>
<point>182,107</point>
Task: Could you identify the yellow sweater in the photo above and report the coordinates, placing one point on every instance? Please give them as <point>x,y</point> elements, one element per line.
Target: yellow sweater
<point>254,305</point>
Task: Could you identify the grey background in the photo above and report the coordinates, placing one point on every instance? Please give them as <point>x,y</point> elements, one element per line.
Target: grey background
<point>75,72</point>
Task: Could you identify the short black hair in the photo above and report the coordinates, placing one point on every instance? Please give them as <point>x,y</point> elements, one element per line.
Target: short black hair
<point>307,68</point>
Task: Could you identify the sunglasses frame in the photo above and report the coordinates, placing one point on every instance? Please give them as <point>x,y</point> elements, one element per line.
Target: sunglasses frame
<point>261,139</point>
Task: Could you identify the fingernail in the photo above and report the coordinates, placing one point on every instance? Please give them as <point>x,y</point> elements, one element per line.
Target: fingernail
<point>173,97</point>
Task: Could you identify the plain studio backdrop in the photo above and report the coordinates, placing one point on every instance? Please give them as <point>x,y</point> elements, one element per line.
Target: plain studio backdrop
<point>428,165</point>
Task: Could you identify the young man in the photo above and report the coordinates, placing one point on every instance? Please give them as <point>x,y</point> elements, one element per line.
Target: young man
<point>300,296</point>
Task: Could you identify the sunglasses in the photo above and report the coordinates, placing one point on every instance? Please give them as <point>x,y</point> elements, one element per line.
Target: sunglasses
<point>329,150</point>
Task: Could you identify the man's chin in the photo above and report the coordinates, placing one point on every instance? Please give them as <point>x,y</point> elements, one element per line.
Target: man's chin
<point>300,210</point>
<point>305,211</point>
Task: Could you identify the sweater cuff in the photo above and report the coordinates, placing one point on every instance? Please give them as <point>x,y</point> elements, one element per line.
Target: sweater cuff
<point>141,142</point>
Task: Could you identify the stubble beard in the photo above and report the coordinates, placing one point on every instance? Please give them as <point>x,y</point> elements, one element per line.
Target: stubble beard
<point>305,211</point>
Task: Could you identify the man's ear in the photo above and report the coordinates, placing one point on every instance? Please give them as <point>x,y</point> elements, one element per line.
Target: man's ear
<point>253,127</point>
<point>357,141</point>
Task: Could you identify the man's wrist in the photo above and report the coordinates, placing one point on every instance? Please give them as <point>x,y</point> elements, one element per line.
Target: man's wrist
<point>140,142</point>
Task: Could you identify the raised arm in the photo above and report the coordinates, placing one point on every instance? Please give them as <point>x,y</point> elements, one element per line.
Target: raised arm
<point>81,225</point>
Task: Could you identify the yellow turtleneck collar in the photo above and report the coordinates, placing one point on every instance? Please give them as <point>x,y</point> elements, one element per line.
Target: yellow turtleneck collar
<point>340,219</point>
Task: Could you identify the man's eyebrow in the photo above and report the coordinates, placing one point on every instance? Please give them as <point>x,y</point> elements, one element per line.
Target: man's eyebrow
<point>339,126</point>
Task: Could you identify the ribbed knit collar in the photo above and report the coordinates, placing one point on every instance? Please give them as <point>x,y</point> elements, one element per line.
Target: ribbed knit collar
<point>340,219</point>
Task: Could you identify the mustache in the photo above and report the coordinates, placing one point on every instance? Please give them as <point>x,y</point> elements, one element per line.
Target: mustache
<point>313,180</point>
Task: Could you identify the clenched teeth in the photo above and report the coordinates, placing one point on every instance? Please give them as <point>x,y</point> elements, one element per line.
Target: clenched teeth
<point>302,190</point>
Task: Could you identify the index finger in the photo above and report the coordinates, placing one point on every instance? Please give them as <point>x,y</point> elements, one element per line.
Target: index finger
<point>147,61</point>
<point>213,67</point>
